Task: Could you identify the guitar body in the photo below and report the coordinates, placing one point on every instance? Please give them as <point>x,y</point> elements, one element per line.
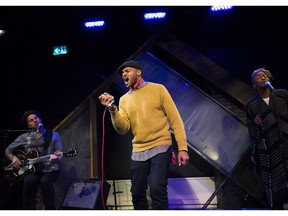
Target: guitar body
<point>14,175</point>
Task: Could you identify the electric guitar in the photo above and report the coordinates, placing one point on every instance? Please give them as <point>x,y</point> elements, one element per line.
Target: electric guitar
<point>28,160</point>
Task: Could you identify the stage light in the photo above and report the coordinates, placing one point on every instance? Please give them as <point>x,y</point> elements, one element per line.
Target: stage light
<point>157,15</point>
<point>94,24</point>
<point>2,32</point>
<point>221,7</point>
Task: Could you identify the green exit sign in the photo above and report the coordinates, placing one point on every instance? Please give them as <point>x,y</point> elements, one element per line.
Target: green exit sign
<point>60,50</point>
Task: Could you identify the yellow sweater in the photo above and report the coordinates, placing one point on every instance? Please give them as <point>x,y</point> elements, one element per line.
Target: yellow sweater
<point>149,112</point>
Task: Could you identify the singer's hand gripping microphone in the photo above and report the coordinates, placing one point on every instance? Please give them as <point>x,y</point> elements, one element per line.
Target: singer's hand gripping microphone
<point>111,102</point>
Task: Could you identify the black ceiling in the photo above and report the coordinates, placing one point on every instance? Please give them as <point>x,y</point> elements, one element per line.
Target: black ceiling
<point>239,40</point>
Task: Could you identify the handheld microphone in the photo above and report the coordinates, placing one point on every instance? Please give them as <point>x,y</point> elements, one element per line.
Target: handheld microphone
<point>268,84</point>
<point>40,125</point>
<point>112,101</point>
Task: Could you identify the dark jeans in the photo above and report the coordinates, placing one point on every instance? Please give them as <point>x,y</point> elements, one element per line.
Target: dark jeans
<point>154,172</point>
<point>31,183</point>
<point>280,198</point>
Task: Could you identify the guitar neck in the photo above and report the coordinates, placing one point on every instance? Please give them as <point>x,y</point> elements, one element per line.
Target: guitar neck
<point>32,161</point>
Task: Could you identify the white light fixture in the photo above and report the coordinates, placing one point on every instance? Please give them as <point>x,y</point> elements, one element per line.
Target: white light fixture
<point>221,7</point>
<point>157,15</point>
<point>2,32</point>
<point>94,24</point>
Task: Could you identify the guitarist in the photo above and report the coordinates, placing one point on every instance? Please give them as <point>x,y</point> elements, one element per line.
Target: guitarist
<point>44,174</point>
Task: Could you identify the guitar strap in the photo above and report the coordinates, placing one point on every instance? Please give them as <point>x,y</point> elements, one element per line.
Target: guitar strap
<point>47,138</point>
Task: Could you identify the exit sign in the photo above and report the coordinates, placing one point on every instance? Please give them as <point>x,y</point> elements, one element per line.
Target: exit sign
<point>60,50</point>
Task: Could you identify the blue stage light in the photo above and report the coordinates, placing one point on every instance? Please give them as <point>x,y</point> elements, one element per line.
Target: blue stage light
<point>157,15</point>
<point>221,7</point>
<point>94,24</point>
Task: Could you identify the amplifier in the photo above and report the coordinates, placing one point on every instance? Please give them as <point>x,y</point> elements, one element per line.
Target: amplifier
<point>86,194</point>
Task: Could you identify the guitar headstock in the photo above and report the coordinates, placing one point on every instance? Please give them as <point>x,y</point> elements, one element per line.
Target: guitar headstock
<point>70,152</point>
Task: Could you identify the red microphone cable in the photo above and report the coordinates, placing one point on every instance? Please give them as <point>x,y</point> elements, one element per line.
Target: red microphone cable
<point>102,161</point>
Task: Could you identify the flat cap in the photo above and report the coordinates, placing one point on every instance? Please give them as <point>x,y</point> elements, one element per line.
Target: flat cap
<point>131,63</point>
<point>26,114</point>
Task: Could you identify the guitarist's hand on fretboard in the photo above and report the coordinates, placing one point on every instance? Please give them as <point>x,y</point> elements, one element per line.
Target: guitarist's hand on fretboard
<point>53,157</point>
<point>58,154</point>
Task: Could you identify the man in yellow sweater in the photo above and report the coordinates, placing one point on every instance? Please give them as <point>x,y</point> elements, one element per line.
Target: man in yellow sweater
<point>148,110</point>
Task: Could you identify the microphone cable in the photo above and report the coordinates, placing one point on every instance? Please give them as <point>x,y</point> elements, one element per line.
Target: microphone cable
<point>102,160</point>
<point>102,152</point>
